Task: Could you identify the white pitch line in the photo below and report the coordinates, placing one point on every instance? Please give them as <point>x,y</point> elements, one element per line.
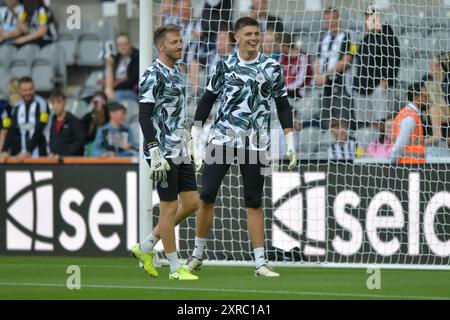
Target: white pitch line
<point>24,265</point>
<point>300,293</point>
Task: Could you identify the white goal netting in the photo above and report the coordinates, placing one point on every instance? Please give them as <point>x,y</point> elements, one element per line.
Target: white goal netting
<point>349,71</point>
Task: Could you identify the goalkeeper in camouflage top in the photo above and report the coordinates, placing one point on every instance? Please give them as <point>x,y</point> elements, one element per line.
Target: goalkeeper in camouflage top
<point>162,120</point>
<point>247,82</point>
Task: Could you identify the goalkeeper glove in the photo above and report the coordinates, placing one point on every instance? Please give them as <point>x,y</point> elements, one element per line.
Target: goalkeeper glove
<point>198,159</point>
<point>290,152</point>
<point>158,164</point>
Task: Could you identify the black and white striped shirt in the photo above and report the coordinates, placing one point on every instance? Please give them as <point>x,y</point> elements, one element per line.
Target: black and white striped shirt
<point>9,22</point>
<point>26,133</point>
<point>342,151</point>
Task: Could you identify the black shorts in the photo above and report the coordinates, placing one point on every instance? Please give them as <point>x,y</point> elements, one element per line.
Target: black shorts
<point>180,178</point>
<point>253,173</point>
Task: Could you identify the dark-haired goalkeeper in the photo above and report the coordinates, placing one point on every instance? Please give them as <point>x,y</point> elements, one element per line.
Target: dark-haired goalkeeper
<point>162,117</point>
<point>247,82</point>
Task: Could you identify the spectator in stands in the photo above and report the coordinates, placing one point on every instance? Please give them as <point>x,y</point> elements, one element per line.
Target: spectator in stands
<point>9,21</point>
<point>122,71</point>
<point>169,12</point>
<point>260,11</point>
<point>381,148</point>
<point>345,146</point>
<point>13,92</point>
<point>377,65</point>
<point>191,33</point>
<point>214,13</point>
<point>335,55</point>
<point>270,44</point>
<point>407,130</point>
<point>97,118</point>
<point>5,120</point>
<point>114,139</point>
<point>224,46</point>
<point>37,24</point>
<point>297,74</point>
<point>296,66</point>
<point>437,119</point>
<point>25,137</point>
<point>66,132</point>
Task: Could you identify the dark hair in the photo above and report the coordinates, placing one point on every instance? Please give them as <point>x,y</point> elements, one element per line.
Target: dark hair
<point>101,94</point>
<point>30,6</point>
<point>161,32</point>
<point>287,39</point>
<point>244,22</point>
<point>57,95</point>
<point>414,90</point>
<point>227,28</point>
<point>116,106</point>
<point>330,10</point>
<point>25,80</point>
<point>123,34</point>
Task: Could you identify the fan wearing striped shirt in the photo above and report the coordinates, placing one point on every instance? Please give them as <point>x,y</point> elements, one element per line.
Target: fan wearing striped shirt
<point>345,146</point>
<point>9,18</point>
<point>336,51</point>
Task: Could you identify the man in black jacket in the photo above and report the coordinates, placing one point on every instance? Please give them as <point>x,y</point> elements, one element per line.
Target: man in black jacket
<point>377,66</point>
<point>122,71</point>
<point>66,132</point>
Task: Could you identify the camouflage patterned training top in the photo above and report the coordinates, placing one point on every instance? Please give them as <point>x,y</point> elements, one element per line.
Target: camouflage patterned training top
<point>165,88</point>
<point>246,89</point>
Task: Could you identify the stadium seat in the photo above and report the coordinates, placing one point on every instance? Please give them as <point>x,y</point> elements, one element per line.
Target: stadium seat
<point>6,54</point>
<point>90,48</point>
<point>21,63</point>
<point>78,107</point>
<point>68,42</point>
<point>413,44</point>
<point>56,53</point>
<point>408,73</point>
<point>414,19</point>
<point>90,45</point>
<point>43,75</point>
<point>439,18</point>
<point>309,140</point>
<point>48,68</point>
<point>308,21</point>
<point>307,107</point>
<point>91,85</point>
<point>310,42</point>
<point>440,40</point>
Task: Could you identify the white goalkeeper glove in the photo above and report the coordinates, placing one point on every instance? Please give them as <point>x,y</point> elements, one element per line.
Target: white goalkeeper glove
<point>158,164</point>
<point>290,150</point>
<point>196,138</point>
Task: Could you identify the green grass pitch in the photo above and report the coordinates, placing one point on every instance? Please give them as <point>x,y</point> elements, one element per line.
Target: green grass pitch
<point>121,278</point>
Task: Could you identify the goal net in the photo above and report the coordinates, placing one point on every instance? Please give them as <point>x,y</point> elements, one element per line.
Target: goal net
<point>349,71</point>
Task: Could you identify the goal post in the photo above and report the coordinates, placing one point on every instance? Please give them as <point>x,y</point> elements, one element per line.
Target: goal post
<point>145,59</point>
<point>346,204</point>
